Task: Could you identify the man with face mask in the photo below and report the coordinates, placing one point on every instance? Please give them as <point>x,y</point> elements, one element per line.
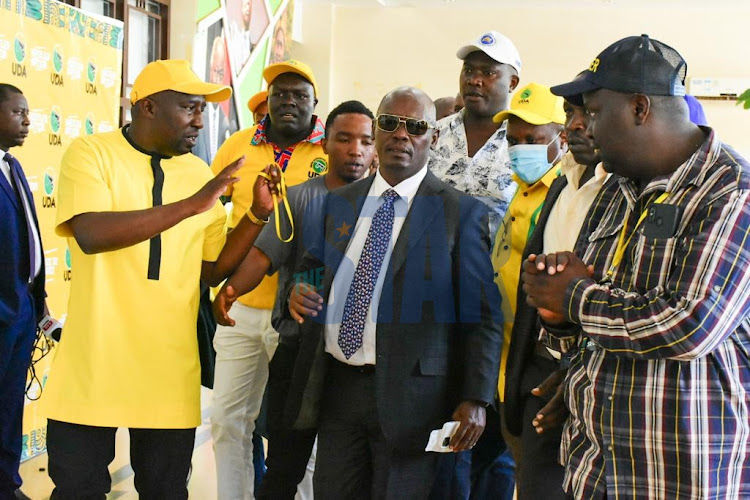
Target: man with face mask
<point>536,142</point>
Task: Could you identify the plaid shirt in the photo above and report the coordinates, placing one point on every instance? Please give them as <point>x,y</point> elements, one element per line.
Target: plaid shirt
<point>659,380</point>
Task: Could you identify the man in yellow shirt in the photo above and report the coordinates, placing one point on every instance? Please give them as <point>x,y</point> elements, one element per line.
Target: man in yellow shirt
<point>536,142</point>
<point>290,136</point>
<point>144,227</point>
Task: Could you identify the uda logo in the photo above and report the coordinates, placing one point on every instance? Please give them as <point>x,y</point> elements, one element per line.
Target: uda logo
<point>89,124</point>
<point>48,201</point>
<point>18,68</point>
<point>317,166</point>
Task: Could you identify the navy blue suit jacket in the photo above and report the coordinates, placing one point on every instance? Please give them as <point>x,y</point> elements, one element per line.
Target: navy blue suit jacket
<point>14,256</point>
<point>438,326</point>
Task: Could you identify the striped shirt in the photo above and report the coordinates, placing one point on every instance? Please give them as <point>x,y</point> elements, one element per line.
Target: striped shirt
<point>658,384</point>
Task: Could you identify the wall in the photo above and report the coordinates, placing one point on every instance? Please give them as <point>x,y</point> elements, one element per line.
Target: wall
<point>373,49</point>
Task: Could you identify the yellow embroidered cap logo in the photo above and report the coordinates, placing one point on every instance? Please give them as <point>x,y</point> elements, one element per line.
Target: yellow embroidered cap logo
<point>594,65</point>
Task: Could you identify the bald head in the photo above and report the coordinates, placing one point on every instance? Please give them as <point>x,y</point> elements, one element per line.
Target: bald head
<point>401,153</point>
<point>414,94</point>
<point>444,106</point>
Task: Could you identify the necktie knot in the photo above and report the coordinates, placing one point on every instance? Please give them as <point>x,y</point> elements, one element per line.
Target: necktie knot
<point>8,158</point>
<point>390,196</point>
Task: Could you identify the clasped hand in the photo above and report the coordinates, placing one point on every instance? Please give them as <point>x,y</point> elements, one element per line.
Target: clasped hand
<point>545,280</point>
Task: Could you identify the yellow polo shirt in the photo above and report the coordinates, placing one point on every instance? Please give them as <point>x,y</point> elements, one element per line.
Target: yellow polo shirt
<point>512,235</point>
<point>128,356</point>
<point>306,161</point>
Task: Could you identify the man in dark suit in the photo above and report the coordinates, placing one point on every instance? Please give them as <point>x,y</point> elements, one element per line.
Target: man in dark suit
<point>21,286</point>
<point>408,336</point>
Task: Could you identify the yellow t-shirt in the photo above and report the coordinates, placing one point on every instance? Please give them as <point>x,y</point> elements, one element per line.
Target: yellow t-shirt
<point>129,352</point>
<point>307,161</point>
<point>518,224</point>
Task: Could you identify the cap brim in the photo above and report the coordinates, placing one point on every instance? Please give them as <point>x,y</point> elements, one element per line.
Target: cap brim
<point>466,50</point>
<point>211,91</point>
<point>271,72</point>
<point>573,91</point>
<point>527,116</point>
<point>256,100</point>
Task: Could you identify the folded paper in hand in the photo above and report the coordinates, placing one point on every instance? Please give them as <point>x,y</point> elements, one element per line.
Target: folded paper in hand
<point>440,438</point>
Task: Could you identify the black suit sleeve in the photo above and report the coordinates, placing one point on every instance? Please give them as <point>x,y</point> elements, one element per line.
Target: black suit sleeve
<point>480,315</point>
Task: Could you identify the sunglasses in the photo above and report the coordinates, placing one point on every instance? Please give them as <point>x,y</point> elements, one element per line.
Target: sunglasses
<point>389,123</point>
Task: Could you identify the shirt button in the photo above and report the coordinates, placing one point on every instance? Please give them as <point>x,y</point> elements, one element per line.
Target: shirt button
<point>717,288</point>
<point>609,448</point>
<point>512,218</point>
<point>525,194</point>
<point>609,398</point>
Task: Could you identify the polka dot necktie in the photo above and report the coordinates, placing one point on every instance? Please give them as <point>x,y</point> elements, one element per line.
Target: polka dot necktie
<point>365,276</point>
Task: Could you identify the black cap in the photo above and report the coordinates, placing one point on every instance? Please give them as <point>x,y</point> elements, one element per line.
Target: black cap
<point>636,64</point>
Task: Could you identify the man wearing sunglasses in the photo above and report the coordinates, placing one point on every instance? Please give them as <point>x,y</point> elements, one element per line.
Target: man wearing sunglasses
<point>399,336</point>
<point>290,136</point>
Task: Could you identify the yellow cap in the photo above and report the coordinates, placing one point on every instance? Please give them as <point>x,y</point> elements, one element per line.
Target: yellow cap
<point>257,100</point>
<point>290,66</point>
<point>175,74</point>
<point>535,104</point>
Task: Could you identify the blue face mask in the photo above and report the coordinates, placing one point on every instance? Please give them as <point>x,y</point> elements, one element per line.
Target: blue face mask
<point>529,161</point>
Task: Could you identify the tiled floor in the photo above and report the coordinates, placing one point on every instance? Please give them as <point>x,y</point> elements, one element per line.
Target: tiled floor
<point>37,484</point>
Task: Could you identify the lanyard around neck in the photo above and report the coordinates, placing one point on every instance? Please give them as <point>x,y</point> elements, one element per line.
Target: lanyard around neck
<point>622,242</point>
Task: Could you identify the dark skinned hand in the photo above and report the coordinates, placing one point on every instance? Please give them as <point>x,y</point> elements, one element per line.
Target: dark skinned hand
<point>304,300</point>
<point>554,412</point>
<point>473,418</point>
<point>546,290</point>
<point>263,191</point>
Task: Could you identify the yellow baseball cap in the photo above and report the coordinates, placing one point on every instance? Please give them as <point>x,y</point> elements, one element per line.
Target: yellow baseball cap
<point>290,66</point>
<point>175,74</point>
<point>257,100</point>
<point>535,104</point>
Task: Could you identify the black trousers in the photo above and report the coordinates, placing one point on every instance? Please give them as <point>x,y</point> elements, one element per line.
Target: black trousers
<point>354,460</point>
<point>288,450</point>
<point>79,456</point>
<point>540,473</point>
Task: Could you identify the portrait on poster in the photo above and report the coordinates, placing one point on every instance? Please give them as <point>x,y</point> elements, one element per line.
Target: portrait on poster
<point>246,22</point>
<point>212,63</point>
<point>281,38</point>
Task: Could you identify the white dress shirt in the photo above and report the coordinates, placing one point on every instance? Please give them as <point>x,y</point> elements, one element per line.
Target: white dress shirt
<point>5,167</point>
<point>569,211</point>
<point>343,279</point>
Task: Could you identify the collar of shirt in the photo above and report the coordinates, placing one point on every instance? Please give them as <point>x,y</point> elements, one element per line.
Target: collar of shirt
<point>455,124</point>
<point>573,171</point>
<point>692,172</point>
<point>546,180</point>
<point>405,189</point>
<point>317,134</point>
<point>5,167</point>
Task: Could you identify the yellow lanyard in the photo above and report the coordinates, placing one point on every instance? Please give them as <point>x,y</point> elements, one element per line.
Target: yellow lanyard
<point>623,242</point>
<point>285,200</point>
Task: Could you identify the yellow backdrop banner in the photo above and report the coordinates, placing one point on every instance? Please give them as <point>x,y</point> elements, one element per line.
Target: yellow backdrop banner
<point>68,64</point>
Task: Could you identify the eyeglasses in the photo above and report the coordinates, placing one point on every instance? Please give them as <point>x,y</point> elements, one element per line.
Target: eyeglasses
<point>389,123</point>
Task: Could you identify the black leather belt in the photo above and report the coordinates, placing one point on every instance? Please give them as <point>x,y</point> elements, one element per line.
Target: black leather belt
<point>362,369</point>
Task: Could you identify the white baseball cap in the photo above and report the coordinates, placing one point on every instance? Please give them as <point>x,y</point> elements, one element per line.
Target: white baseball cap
<point>497,46</point>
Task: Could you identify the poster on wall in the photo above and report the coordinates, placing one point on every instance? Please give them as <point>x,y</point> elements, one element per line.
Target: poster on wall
<point>256,33</point>
<point>211,61</point>
<point>246,21</point>
<point>281,40</point>
<point>68,64</point>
